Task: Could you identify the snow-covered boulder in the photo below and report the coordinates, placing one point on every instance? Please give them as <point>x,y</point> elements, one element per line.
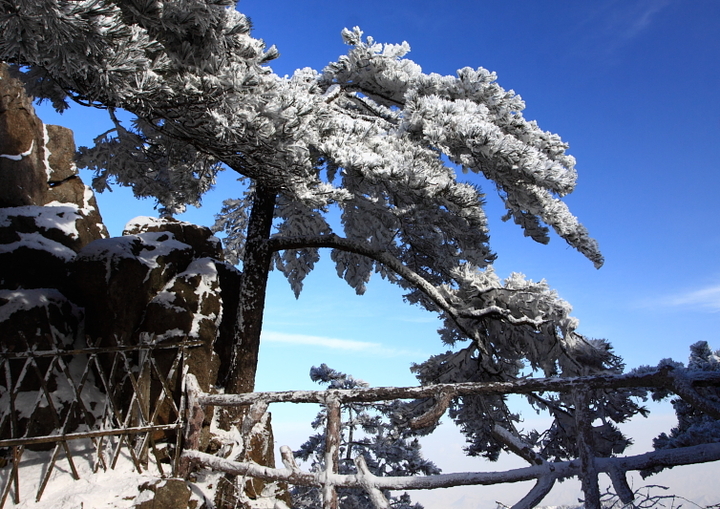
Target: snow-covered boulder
<point>38,319</point>
<point>201,239</point>
<point>115,279</point>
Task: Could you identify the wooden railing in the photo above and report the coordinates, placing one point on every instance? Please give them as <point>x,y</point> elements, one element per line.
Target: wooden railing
<point>586,467</point>
<point>124,418</point>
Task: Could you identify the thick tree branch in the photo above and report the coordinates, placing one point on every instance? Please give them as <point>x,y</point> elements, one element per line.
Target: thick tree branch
<point>682,385</point>
<point>537,494</point>
<point>558,470</point>
<point>442,401</point>
<point>518,446</point>
<point>336,242</point>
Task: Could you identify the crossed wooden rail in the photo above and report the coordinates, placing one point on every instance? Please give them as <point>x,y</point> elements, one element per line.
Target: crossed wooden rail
<point>587,466</point>
<point>131,424</point>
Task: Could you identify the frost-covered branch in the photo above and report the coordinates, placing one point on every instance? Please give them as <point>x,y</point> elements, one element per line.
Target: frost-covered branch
<point>558,470</point>
<point>682,385</point>
<point>336,242</point>
<point>655,378</point>
<point>517,446</point>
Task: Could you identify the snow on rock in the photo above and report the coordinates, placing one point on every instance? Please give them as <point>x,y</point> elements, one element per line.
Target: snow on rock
<point>200,237</point>
<point>190,305</point>
<point>39,318</point>
<point>143,223</point>
<point>58,216</point>
<point>149,249</point>
<point>64,222</point>
<point>116,278</point>
<point>20,156</point>
<point>39,243</point>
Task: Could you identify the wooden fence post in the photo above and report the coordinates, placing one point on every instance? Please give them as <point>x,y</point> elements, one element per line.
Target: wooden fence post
<point>332,451</point>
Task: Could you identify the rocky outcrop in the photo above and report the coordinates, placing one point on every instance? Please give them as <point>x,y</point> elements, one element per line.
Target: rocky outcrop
<point>37,164</point>
<point>22,165</point>
<point>64,281</point>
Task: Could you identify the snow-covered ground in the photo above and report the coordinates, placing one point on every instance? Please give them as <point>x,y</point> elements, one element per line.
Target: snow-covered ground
<point>117,488</point>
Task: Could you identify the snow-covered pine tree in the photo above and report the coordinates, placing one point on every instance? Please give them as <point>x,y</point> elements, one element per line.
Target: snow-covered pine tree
<point>694,426</point>
<point>367,429</point>
<point>370,135</point>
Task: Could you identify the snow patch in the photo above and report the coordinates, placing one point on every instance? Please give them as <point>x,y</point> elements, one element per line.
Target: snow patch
<point>54,215</point>
<point>168,334</point>
<point>24,300</point>
<point>208,285</point>
<point>19,157</point>
<point>166,299</point>
<point>39,243</point>
<point>87,196</point>
<point>138,223</point>
<point>46,158</point>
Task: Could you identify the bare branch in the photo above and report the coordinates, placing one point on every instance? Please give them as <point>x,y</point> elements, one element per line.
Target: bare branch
<point>367,480</point>
<point>518,446</point>
<point>442,400</point>
<point>537,494</point>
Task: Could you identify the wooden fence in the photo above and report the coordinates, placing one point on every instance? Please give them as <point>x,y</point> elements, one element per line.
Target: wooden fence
<point>586,467</point>
<point>118,397</point>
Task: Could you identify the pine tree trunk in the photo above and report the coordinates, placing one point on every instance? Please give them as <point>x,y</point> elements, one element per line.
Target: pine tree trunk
<point>253,286</point>
<point>241,379</point>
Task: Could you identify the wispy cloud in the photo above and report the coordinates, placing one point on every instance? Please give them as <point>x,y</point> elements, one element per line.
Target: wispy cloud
<point>348,345</point>
<point>636,19</point>
<point>705,298</point>
<point>612,24</point>
<point>302,339</point>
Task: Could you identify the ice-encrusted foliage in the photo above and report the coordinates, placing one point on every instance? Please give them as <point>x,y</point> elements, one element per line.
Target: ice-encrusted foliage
<point>191,73</point>
<point>521,328</point>
<point>694,426</point>
<point>367,429</point>
<point>297,219</point>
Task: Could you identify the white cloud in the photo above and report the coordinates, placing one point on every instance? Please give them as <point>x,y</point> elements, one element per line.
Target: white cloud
<point>705,298</point>
<point>348,345</point>
<point>302,339</point>
<point>612,24</point>
<point>639,18</point>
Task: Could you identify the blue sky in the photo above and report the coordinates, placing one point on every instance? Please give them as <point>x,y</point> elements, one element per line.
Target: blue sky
<point>631,85</point>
